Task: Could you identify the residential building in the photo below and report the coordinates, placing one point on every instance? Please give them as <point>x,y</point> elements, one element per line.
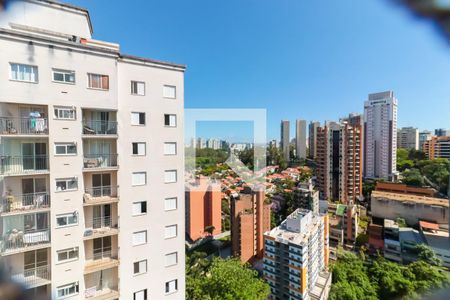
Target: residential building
<point>203,208</point>
<point>306,196</point>
<point>312,138</point>
<point>437,147</point>
<point>273,143</point>
<point>339,162</point>
<point>214,144</point>
<point>300,138</point>
<point>408,138</point>
<point>423,137</point>
<point>343,224</point>
<point>441,132</point>
<point>284,140</point>
<point>296,256</point>
<point>201,143</point>
<point>250,218</point>
<point>74,126</point>
<point>380,136</point>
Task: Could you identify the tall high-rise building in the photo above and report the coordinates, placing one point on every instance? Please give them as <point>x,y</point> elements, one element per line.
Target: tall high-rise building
<point>437,147</point>
<point>78,119</point>
<point>441,132</point>
<point>296,257</point>
<point>250,218</point>
<point>213,144</point>
<point>300,138</point>
<point>339,162</point>
<point>380,136</point>
<point>423,137</point>
<point>408,138</point>
<point>312,138</point>
<point>284,141</point>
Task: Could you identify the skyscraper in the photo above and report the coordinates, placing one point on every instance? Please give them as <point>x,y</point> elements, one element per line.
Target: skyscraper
<point>284,141</point>
<point>380,136</point>
<point>300,138</point>
<point>312,138</point>
<point>423,137</point>
<point>408,138</point>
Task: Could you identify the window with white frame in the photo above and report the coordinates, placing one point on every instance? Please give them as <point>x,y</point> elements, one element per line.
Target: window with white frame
<point>63,76</point>
<point>69,254</point>
<point>65,220</point>
<point>139,148</point>
<point>138,88</point>
<point>171,286</point>
<point>65,113</point>
<point>65,149</point>
<point>169,91</point>
<point>66,184</point>
<point>22,72</point>
<point>139,238</point>
<point>170,148</point>
<point>139,208</point>
<point>137,118</point>
<point>170,231</point>
<point>171,259</point>
<point>139,178</point>
<point>140,267</point>
<point>98,81</point>
<point>140,295</point>
<point>170,203</point>
<point>67,290</point>
<point>170,176</point>
<point>170,120</point>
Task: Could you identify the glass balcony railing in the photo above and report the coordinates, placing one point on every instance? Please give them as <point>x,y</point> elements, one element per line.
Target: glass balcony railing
<point>33,277</point>
<point>98,127</point>
<point>24,126</point>
<point>16,239</point>
<point>15,165</point>
<point>100,160</point>
<point>24,203</point>
<point>101,191</point>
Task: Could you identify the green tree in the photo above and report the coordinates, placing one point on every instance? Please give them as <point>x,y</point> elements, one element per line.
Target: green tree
<point>412,177</point>
<point>426,254</point>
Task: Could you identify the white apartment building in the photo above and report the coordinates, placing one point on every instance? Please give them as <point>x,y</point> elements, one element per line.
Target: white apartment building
<point>380,135</point>
<point>296,257</point>
<point>300,138</point>
<point>91,161</point>
<point>408,138</point>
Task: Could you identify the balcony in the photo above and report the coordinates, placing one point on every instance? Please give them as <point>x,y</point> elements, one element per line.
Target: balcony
<point>100,195</point>
<point>23,126</point>
<point>99,128</point>
<point>100,161</point>
<point>16,204</point>
<point>23,165</point>
<point>100,227</point>
<point>101,259</point>
<point>32,278</point>
<point>16,241</point>
<point>102,285</point>
<point>109,293</point>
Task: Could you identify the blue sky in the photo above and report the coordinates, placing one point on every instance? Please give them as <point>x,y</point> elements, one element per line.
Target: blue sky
<point>313,60</point>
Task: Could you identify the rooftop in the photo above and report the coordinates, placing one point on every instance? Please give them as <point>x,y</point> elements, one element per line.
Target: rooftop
<point>411,198</point>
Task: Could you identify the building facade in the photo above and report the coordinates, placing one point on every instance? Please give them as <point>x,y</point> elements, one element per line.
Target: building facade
<point>441,132</point>
<point>423,137</point>
<point>408,138</point>
<point>437,147</point>
<point>78,119</point>
<point>380,136</point>
<point>284,140</point>
<point>312,139</point>
<point>300,138</point>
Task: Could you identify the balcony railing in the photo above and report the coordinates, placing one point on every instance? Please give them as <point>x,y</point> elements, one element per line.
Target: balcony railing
<point>109,292</point>
<point>23,164</point>
<point>17,239</point>
<point>100,160</point>
<point>99,127</point>
<point>102,191</point>
<point>23,125</point>
<point>25,202</point>
<point>33,277</point>
<point>99,254</point>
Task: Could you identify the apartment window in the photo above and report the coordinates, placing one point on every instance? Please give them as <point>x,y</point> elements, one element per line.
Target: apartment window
<point>67,290</point>
<point>65,149</point>
<point>66,255</point>
<point>170,148</point>
<point>170,231</point>
<point>98,81</point>
<point>141,295</point>
<point>63,76</point>
<point>65,113</point>
<point>66,184</point>
<point>171,286</point>
<point>138,88</point>
<point>171,259</point>
<point>139,208</point>
<point>137,118</point>
<point>170,120</point>
<point>139,149</point>
<point>140,267</point>
<point>170,203</point>
<point>139,238</point>
<point>139,178</point>
<point>66,220</point>
<point>170,176</point>
<point>21,72</point>
<point>169,91</point>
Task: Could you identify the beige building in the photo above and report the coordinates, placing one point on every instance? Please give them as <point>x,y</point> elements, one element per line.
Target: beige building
<point>91,161</point>
<point>408,138</point>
